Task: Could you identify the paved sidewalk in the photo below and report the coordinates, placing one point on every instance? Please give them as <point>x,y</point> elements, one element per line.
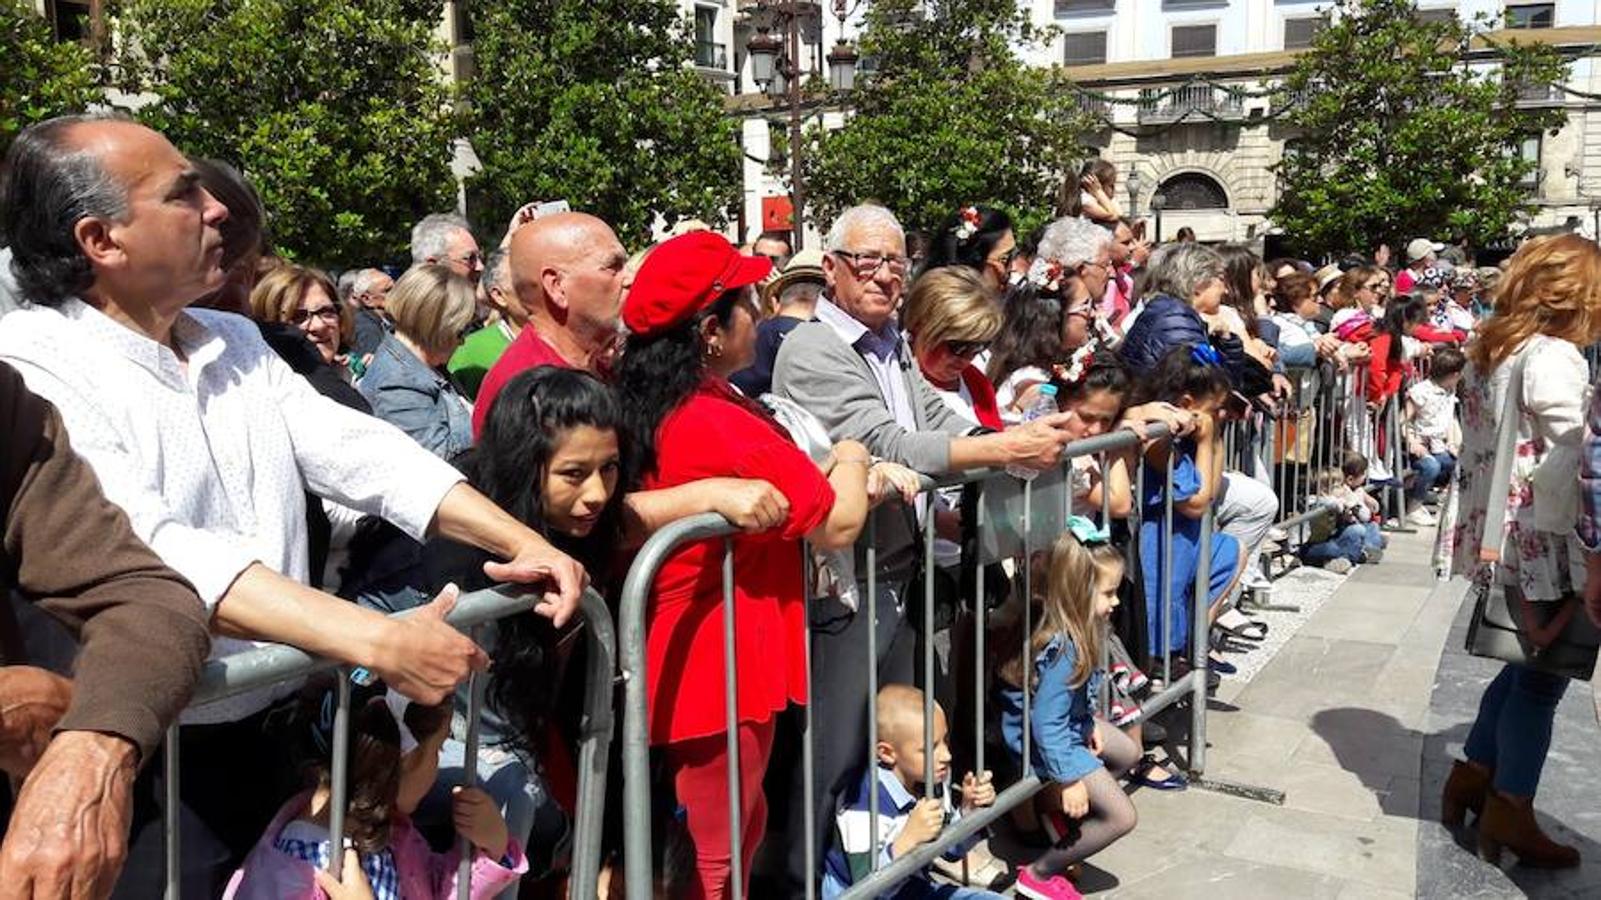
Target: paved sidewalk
<point>1338,721</point>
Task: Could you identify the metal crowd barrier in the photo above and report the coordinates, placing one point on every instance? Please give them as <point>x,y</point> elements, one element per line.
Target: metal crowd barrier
<point>1013,518</point>
<point>264,666</point>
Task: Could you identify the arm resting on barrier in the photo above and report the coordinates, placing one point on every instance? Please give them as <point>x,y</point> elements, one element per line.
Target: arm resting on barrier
<point>750,504</point>
<point>469,517</point>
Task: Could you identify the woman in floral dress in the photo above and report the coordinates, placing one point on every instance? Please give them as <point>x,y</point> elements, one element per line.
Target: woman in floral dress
<point>1548,306</point>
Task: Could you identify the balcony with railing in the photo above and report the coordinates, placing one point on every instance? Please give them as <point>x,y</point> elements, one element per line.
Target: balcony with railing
<point>711,55</point>
<point>1191,102</point>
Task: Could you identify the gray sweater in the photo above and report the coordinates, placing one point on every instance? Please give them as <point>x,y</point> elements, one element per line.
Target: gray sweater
<point>831,380</point>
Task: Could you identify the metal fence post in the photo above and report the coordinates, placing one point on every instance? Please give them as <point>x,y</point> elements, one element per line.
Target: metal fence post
<point>172,815</point>
<point>477,682</point>
<point>339,789</point>
<point>736,862</point>
<point>1200,652</point>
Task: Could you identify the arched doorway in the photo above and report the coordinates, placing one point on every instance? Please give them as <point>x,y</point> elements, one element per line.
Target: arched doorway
<point>1193,192</point>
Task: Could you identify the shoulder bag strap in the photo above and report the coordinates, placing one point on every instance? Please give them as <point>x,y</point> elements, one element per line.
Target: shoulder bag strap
<point>1506,447</point>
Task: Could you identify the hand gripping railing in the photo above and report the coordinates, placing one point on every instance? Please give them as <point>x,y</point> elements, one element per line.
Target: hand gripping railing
<point>263,666</point>
<point>998,538</point>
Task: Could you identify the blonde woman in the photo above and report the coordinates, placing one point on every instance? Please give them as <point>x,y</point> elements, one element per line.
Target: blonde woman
<point>406,383</point>
<point>1547,308</point>
<point>302,297</point>
<point>952,316</point>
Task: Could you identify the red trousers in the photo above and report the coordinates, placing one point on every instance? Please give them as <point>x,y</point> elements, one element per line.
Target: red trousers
<point>699,768</point>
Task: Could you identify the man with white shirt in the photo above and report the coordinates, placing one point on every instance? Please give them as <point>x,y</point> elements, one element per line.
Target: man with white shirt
<point>208,441</point>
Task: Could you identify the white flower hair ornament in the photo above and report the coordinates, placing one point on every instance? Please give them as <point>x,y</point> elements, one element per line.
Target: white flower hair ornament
<point>1046,274</point>
<point>968,223</point>
<point>1078,365</point>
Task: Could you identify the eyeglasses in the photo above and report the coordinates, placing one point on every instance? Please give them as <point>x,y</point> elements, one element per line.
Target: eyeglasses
<point>470,259</point>
<point>966,349</point>
<point>1006,259</point>
<point>325,313</point>
<point>867,265</point>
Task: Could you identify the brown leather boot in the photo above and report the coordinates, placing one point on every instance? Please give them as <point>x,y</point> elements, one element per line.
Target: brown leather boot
<point>1464,791</point>
<point>1510,825</point>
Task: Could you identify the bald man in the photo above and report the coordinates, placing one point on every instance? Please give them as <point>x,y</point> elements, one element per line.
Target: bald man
<point>567,271</point>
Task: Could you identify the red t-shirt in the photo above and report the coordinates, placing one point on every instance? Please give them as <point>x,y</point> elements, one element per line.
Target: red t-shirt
<point>528,351</point>
<point>712,435</point>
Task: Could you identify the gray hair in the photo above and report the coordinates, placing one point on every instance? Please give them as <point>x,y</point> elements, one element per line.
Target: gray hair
<point>47,185</point>
<point>362,280</point>
<point>1178,270</point>
<point>496,269</point>
<point>431,237</point>
<point>1073,241</point>
<point>346,285</point>
<point>867,215</point>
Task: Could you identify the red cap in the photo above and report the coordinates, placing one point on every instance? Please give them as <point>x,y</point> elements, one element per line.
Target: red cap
<point>683,276</point>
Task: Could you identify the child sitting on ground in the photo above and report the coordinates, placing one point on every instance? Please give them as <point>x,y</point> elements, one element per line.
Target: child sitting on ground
<point>1432,436</point>
<point>1080,757</point>
<point>906,819</point>
<point>1350,534</point>
<point>394,758</point>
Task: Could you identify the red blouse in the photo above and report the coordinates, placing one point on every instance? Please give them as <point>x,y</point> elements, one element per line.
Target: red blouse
<point>712,435</point>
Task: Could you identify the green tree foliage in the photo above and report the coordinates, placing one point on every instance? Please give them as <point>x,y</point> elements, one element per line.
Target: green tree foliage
<point>596,104</point>
<point>1404,127</point>
<point>337,112</point>
<point>39,77</point>
<point>952,115</point>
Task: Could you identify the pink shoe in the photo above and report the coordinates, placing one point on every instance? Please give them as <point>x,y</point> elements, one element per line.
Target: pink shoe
<point>1054,888</point>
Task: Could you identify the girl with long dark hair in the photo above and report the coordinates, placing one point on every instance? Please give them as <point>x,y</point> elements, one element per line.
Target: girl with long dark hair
<point>979,238</point>
<point>684,424</point>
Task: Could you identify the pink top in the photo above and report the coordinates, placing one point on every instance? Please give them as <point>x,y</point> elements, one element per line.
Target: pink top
<point>270,874</point>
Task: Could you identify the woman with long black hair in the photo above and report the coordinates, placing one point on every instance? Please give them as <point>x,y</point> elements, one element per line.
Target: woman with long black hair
<point>685,423</point>
<point>979,238</point>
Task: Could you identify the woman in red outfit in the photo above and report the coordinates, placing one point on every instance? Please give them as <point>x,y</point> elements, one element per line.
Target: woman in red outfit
<point>1388,366</point>
<point>686,423</point>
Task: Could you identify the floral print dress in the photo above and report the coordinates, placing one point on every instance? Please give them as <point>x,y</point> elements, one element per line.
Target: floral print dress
<point>1543,565</point>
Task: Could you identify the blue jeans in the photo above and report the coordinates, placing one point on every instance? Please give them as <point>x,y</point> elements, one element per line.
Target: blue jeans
<point>1513,730</point>
<point>1348,544</point>
<point>1430,471</point>
<point>1372,536</point>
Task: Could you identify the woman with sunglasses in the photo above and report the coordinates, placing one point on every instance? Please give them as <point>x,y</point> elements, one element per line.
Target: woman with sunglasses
<point>406,383</point>
<point>979,238</point>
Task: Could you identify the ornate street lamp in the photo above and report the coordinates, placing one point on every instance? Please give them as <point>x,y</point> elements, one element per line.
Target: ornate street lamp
<point>1158,201</point>
<point>763,49</point>
<point>1135,183</point>
<point>842,65</point>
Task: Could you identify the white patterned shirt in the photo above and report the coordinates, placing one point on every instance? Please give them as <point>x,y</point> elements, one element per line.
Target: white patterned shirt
<point>211,463</point>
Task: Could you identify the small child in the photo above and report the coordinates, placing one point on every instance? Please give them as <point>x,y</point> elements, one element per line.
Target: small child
<point>1431,431</point>
<point>1355,479</point>
<point>905,819</point>
<point>1347,537</point>
<point>1080,757</point>
<point>394,758</point>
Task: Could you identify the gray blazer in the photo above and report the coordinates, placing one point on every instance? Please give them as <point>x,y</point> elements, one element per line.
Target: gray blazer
<point>421,402</point>
<point>826,376</point>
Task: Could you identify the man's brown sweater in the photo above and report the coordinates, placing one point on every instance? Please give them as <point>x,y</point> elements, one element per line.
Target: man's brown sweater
<point>142,629</point>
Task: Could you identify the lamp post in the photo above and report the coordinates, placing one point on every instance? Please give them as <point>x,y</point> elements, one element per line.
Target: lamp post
<point>1158,201</point>
<point>1135,183</point>
<point>769,57</point>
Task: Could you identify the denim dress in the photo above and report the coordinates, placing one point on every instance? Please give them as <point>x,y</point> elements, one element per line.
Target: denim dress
<point>1062,715</point>
<point>1168,625</point>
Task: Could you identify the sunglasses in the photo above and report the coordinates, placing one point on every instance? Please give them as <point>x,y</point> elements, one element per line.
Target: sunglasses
<point>966,349</point>
<point>325,313</point>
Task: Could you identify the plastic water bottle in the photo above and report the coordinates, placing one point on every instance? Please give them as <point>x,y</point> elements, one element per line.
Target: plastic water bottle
<point>1044,405</point>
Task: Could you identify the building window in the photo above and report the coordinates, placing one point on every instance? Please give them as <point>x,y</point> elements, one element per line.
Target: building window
<point>1194,40</point>
<point>1193,191</point>
<point>69,20</point>
<point>709,53</point>
<point>1531,15</point>
<point>1437,15</point>
<point>1529,150</point>
<point>1298,33</point>
<point>1084,48</point>
<point>1069,7</point>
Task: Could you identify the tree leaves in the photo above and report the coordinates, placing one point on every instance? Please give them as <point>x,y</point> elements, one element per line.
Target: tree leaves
<point>39,77</point>
<point>1400,131</point>
<point>951,116</point>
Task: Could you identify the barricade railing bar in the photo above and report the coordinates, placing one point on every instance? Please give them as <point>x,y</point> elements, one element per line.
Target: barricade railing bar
<point>274,664</point>
<point>1009,514</point>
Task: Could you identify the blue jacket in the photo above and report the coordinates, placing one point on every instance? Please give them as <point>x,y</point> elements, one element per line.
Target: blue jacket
<point>1062,717</point>
<point>1165,323</point>
<point>423,403</point>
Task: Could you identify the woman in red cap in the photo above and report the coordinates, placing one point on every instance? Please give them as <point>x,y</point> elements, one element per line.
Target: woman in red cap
<point>687,423</point>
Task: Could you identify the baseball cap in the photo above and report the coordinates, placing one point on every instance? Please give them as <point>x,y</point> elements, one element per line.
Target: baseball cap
<point>1420,248</point>
<point>683,276</point>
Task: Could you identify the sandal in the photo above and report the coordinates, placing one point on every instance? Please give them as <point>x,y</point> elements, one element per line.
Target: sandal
<point>1237,625</point>
<point>1142,776</point>
<point>978,869</point>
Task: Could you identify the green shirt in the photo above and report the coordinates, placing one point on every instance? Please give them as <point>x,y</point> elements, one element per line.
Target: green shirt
<point>477,355</point>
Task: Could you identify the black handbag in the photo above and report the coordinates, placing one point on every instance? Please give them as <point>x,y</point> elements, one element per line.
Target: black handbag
<point>1496,630</point>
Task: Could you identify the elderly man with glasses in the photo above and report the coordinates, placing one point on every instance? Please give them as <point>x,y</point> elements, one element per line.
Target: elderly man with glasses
<point>851,368</point>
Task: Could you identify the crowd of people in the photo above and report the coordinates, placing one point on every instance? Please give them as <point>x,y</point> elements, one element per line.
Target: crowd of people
<point>261,452</point>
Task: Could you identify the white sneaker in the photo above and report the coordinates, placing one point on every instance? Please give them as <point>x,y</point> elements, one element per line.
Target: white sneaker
<point>1339,565</point>
<point>1422,518</point>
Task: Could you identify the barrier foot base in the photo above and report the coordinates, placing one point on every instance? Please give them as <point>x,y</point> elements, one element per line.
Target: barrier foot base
<point>1235,789</point>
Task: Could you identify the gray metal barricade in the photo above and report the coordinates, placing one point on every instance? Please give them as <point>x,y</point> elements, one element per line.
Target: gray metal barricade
<point>1010,517</point>
<point>264,666</point>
